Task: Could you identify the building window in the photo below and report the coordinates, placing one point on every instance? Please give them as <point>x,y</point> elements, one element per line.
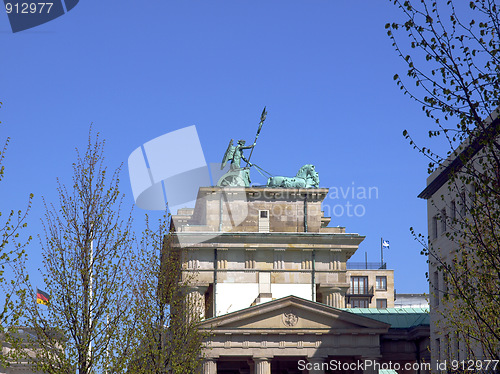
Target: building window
<point>263,220</point>
<point>453,210</point>
<point>445,284</point>
<point>434,227</point>
<point>473,194</point>
<point>463,204</point>
<point>436,288</point>
<point>381,283</point>
<point>359,286</point>
<point>443,221</point>
<point>359,303</point>
<point>381,303</point>
<point>447,346</point>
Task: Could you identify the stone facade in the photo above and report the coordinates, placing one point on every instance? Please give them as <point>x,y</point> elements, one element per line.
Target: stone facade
<point>271,278</point>
<point>441,339</point>
<point>448,202</point>
<point>250,245</point>
<point>289,331</point>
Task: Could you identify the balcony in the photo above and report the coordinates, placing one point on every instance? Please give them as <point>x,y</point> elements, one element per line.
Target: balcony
<point>359,293</point>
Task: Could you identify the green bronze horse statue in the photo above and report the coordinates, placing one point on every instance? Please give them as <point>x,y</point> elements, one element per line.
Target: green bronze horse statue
<point>306,177</point>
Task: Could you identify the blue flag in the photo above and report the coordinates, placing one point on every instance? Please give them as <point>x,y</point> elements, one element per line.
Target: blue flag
<point>385,244</point>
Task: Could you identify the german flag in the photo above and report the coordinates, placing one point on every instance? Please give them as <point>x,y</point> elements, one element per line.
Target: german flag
<point>42,297</point>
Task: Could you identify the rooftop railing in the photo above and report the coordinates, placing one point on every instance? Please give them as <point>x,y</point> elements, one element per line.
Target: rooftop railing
<point>366,265</point>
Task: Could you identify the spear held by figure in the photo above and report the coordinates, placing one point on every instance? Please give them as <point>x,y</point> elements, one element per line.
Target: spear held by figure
<point>262,119</point>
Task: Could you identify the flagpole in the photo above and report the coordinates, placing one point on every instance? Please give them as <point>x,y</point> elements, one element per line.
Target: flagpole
<point>381,252</point>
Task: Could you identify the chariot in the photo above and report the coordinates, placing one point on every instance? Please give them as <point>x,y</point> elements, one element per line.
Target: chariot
<point>235,178</point>
<point>239,176</point>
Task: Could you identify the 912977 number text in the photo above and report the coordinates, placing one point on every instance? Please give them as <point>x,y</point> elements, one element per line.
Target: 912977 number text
<point>26,8</point>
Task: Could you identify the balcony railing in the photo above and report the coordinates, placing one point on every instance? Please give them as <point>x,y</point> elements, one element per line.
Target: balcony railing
<point>360,291</point>
<point>366,265</point>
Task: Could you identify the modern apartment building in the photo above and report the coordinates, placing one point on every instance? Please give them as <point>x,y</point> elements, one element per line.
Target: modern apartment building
<point>370,288</point>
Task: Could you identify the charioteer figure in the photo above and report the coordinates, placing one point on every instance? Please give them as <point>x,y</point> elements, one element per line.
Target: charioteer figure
<point>235,155</point>
<point>239,176</point>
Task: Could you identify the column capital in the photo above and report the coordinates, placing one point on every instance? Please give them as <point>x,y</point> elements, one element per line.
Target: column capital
<point>332,295</point>
<point>328,287</point>
<point>200,287</point>
<point>261,358</point>
<point>262,365</point>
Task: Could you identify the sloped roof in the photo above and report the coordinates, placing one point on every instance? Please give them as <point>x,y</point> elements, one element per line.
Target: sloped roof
<point>398,318</point>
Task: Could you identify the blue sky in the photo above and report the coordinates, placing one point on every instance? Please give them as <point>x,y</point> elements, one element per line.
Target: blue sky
<point>138,70</point>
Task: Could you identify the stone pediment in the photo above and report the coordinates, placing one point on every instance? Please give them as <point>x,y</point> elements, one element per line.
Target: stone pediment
<point>294,313</point>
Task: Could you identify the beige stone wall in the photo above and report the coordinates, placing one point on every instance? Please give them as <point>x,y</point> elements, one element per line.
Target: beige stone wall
<point>238,209</point>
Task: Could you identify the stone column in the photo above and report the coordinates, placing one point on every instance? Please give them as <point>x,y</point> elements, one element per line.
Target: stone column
<point>332,296</point>
<point>195,300</point>
<point>317,365</point>
<point>209,366</point>
<point>262,365</point>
